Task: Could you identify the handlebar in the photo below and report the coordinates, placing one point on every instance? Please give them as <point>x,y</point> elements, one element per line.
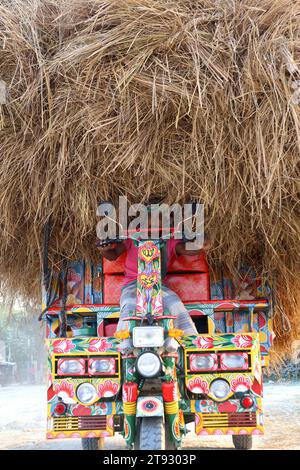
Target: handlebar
<point>134,235</point>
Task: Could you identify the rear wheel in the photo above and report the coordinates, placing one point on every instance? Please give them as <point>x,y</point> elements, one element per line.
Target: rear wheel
<point>242,442</point>
<point>152,434</point>
<point>92,443</point>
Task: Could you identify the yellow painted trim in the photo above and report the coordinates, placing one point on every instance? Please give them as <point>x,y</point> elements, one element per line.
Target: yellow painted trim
<point>108,432</point>
<point>199,426</point>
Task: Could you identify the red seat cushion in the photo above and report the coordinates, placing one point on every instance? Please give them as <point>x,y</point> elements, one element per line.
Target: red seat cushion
<point>112,288</point>
<point>183,263</point>
<point>190,287</point>
<point>114,267</point>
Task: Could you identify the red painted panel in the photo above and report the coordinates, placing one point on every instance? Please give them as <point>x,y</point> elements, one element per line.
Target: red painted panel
<point>190,287</point>
<point>112,288</point>
<point>195,263</point>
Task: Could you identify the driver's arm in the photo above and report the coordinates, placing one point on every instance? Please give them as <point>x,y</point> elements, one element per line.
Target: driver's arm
<point>112,251</point>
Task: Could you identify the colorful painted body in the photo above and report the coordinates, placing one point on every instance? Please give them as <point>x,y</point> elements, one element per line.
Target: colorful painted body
<point>232,327</point>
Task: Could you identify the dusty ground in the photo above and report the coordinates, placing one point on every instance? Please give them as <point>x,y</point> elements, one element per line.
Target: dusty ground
<point>22,422</point>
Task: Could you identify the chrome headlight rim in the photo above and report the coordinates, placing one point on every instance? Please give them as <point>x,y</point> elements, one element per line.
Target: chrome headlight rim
<point>224,397</point>
<point>94,396</point>
<point>159,365</point>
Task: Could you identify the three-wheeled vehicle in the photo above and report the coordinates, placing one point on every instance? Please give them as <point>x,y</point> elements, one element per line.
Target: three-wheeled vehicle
<point>212,379</point>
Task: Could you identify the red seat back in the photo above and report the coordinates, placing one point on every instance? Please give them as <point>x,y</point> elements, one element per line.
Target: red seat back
<point>188,276</point>
<point>187,263</point>
<point>190,287</point>
<point>112,288</point>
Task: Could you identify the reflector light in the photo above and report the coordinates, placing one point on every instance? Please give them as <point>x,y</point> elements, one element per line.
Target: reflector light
<point>247,402</point>
<point>60,409</point>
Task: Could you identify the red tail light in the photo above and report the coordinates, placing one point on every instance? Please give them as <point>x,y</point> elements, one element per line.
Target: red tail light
<point>247,402</point>
<point>60,409</point>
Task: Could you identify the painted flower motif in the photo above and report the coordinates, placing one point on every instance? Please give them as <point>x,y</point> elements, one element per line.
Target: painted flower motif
<point>81,410</point>
<point>148,251</point>
<point>141,305</point>
<point>242,341</point>
<point>157,307</point>
<point>240,384</point>
<point>204,342</point>
<point>198,385</point>
<point>99,345</point>
<point>148,280</point>
<point>107,389</point>
<point>227,407</point>
<point>64,387</point>
<point>61,346</point>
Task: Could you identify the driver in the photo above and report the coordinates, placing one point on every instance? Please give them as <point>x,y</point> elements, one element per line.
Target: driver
<point>171,301</point>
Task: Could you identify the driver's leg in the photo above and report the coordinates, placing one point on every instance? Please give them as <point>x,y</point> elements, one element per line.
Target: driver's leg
<point>183,321</point>
<point>127,308</point>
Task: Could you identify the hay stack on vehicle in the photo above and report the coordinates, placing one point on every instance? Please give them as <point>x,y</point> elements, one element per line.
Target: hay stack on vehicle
<point>196,100</point>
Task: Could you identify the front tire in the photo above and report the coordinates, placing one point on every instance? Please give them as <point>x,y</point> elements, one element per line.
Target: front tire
<point>152,434</point>
<point>170,445</point>
<point>92,443</point>
<point>242,442</point>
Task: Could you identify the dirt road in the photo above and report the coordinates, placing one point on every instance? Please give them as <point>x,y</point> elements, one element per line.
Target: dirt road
<point>23,421</point>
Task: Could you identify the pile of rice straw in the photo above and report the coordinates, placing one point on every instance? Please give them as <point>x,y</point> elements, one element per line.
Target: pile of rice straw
<point>195,100</point>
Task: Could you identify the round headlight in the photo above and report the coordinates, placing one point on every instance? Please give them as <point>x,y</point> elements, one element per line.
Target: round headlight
<point>86,393</point>
<point>219,388</point>
<point>148,365</point>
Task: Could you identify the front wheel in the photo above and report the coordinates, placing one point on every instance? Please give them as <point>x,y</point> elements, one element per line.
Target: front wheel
<point>92,443</point>
<point>242,442</point>
<point>152,434</point>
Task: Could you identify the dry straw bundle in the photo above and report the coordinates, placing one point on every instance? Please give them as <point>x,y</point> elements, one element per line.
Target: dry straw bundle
<point>193,99</point>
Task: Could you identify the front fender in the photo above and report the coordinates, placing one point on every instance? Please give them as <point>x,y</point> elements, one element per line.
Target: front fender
<point>147,407</point>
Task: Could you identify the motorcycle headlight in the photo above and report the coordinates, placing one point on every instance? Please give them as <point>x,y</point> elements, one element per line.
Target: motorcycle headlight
<point>148,337</point>
<point>70,367</point>
<point>219,389</point>
<point>203,362</point>
<point>148,365</point>
<point>105,366</point>
<point>234,361</point>
<point>86,393</point>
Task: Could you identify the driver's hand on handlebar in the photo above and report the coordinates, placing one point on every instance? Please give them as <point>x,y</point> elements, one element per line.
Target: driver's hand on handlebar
<point>106,248</point>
